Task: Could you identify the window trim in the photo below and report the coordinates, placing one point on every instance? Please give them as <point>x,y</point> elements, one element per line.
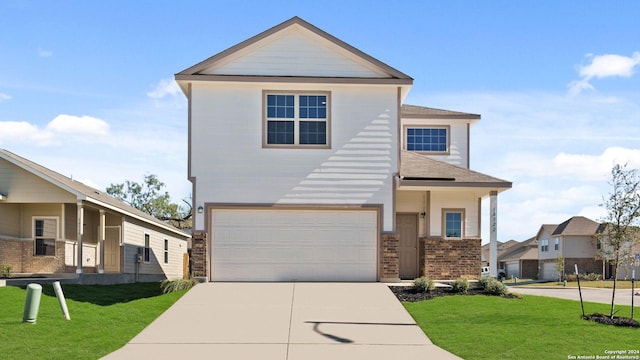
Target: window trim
<point>544,245</point>
<point>556,244</point>
<point>405,138</point>
<point>146,253</point>
<point>296,119</point>
<point>35,239</point>
<point>444,223</point>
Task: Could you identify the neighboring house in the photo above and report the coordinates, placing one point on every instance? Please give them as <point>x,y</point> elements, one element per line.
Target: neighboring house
<point>51,224</point>
<point>573,240</point>
<point>307,165</point>
<point>521,260</point>
<point>629,256</point>
<point>501,247</point>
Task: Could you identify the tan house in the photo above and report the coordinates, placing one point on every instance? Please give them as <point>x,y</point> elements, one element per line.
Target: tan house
<point>520,260</point>
<point>574,241</point>
<point>307,165</point>
<point>53,225</point>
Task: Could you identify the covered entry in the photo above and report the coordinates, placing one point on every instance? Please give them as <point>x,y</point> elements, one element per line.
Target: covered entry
<point>288,244</point>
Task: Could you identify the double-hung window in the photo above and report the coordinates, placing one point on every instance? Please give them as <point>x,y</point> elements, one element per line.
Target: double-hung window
<point>166,251</point>
<point>544,245</point>
<point>147,248</point>
<point>453,221</point>
<point>556,245</point>
<point>427,139</point>
<point>296,119</point>
<point>45,234</point>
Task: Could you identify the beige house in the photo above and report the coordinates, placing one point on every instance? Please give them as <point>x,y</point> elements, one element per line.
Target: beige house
<point>53,225</point>
<point>573,240</point>
<point>520,260</point>
<point>307,165</point>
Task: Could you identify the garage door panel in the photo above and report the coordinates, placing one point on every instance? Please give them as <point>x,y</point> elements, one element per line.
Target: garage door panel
<point>284,245</point>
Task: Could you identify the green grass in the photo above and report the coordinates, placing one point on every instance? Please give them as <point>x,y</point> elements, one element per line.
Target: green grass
<point>103,319</point>
<point>534,327</point>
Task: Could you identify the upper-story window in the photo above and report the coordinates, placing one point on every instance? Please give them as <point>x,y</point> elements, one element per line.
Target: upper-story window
<point>544,245</point>
<point>427,139</point>
<point>556,244</point>
<point>296,119</point>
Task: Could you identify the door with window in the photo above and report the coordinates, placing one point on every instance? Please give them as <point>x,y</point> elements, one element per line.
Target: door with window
<point>407,225</point>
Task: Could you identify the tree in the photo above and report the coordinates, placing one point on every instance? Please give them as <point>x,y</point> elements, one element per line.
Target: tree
<point>560,267</point>
<point>620,225</point>
<point>150,198</point>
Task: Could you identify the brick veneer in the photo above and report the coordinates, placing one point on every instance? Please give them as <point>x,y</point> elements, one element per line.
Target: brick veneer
<point>199,254</point>
<point>451,259</point>
<point>585,265</point>
<point>390,266</point>
<point>19,254</point>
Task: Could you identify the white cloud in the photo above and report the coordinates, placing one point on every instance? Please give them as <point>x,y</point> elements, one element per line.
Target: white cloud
<point>164,88</point>
<point>78,125</point>
<point>4,97</point>
<point>44,53</point>
<point>602,66</point>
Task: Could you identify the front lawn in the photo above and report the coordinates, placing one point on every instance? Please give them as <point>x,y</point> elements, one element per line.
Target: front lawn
<point>535,327</point>
<point>103,319</point>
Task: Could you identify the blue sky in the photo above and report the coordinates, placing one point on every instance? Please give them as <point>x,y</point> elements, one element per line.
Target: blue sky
<point>86,87</point>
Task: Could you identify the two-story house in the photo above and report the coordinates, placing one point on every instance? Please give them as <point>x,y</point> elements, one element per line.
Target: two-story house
<point>307,165</point>
<point>574,242</point>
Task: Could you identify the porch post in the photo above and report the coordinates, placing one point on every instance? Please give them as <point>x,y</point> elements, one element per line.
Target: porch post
<point>80,234</point>
<point>493,237</point>
<point>101,233</point>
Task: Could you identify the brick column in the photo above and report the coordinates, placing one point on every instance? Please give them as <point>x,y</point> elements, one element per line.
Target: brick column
<point>199,254</point>
<point>390,271</point>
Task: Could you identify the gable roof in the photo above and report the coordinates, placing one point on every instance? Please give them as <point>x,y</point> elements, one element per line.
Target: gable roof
<point>422,112</point>
<point>421,170</point>
<point>198,71</point>
<point>577,226</point>
<point>526,250</point>
<point>84,192</point>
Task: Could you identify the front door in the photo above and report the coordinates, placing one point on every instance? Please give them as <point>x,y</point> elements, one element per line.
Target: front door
<point>407,225</point>
<point>112,249</point>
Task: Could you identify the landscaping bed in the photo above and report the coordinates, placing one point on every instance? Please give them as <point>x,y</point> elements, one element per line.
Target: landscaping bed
<point>411,294</point>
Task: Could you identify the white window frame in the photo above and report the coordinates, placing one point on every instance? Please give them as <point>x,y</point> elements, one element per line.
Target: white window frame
<point>405,133</point>
<point>166,251</point>
<point>146,252</point>
<point>444,223</point>
<point>35,238</point>
<point>544,245</point>
<point>296,119</point>
<point>556,244</point>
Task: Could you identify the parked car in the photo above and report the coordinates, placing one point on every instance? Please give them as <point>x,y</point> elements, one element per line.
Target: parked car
<point>501,273</point>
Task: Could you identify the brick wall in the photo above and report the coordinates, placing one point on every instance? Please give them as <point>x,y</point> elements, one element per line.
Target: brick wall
<point>19,254</point>
<point>199,255</point>
<point>529,269</point>
<point>584,265</point>
<point>390,266</point>
<point>452,259</point>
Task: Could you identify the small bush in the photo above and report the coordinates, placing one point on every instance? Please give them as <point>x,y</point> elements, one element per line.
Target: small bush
<point>5,271</point>
<point>484,281</point>
<point>423,284</point>
<point>169,286</point>
<point>592,277</point>
<point>460,286</point>
<point>584,277</point>
<point>493,287</point>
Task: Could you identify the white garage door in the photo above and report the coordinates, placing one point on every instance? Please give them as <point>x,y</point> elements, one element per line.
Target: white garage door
<point>549,271</point>
<point>513,269</point>
<point>288,245</point>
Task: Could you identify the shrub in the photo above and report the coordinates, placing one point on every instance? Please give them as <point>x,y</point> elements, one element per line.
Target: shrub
<point>169,286</point>
<point>585,277</point>
<point>592,277</point>
<point>492,286</point>
<point>423,284</point>
<point>484,281</point>
<point>460,286</point>
<point>5,271</point>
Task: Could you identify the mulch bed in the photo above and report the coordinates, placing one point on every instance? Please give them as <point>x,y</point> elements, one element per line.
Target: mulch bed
<point>616,321</point>
<point>410,294</point>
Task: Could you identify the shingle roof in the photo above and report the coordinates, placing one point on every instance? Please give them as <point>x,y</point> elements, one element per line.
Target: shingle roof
<point>82,191</point>
<point>413,111</point>
<point>577,225</point>
<point>526,250</point>
<point>425,171</point>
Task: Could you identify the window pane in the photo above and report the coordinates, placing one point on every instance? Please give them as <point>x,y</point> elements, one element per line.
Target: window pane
<point>453,224</point>
<point>280,132</point>
<point>280,106</point>
<point>313,132</point>
<point>427,139</point>
<point>313,107</point>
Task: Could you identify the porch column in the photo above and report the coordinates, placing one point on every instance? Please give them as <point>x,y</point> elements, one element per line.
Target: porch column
<point>493,236</point>
<point>80,234</point>
<point>101,236</point>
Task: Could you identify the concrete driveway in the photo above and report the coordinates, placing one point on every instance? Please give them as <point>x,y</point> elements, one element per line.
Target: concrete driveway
<point>623,296</point>
<point>284,321</point>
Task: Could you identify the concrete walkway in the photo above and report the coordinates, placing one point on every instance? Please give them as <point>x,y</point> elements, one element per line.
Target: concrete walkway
<point>623,296</point>
<point>284,321</point>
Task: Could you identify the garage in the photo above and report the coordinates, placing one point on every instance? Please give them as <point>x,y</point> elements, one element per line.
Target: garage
<point>512,268</point>
<point>550,271</point>
<point>294,245</point>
